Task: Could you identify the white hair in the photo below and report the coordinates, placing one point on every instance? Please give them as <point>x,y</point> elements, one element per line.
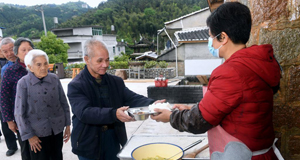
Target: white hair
<point>31,55</point>
<point>6,41</point>
<point>90,43</point>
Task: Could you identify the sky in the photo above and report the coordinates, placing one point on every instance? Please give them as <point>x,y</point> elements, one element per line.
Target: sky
<point>92,3</point>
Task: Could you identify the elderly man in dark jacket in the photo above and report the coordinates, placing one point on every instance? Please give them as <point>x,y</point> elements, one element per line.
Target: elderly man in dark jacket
<point>97,101</point>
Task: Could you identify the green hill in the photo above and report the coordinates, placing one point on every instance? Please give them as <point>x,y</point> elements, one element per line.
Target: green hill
<point>133,18</point>
<point>20,20</point>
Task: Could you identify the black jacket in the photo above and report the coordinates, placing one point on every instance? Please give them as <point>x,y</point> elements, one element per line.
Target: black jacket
<point>89,115</point>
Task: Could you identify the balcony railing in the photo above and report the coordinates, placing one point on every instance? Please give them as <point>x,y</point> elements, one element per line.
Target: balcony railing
<point>75,54</point>
<point>151,73</point>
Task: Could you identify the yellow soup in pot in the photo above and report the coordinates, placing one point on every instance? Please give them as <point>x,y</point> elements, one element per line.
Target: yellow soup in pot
<point>155,158</point>
<point>157,151</point>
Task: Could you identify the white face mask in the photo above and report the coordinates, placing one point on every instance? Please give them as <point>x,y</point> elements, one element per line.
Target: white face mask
<point>212,50</point>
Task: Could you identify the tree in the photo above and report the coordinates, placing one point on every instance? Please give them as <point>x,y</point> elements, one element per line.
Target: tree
<point>149,12</point>
<point>55,48</point>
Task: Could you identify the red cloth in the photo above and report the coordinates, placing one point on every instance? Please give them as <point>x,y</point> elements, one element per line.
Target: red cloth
<point>217,142</point>
<point>240,97</point>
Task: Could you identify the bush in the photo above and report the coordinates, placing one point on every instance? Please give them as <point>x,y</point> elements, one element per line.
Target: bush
<point>150,64</point>
<point>69,66</point>
<point>122,57</point>
<point>163,64</point>
<point>118,65</point>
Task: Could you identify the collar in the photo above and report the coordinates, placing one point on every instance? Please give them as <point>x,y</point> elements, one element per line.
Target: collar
<point>34,80</point>
<point>19,63</point>
<point>22,64</point>
<point>88,74</point>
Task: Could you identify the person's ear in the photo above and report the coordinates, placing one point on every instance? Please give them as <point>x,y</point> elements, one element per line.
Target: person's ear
<point>224,38</point>
<point>86,59</point>
<point>30,67</point>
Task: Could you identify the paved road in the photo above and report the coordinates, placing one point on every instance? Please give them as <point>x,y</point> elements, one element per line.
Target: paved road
<point>138,86</point>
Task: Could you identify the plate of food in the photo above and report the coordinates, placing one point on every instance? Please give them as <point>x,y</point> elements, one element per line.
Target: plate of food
<point>160,106</point>
<point>140,114</point>
<point>143,113</point>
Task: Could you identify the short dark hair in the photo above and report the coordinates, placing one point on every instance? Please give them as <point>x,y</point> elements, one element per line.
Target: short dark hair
<point>18,43</point>
<point>234,19</point>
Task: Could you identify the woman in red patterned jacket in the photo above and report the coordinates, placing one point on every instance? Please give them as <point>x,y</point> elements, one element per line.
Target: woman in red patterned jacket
<point>237,107</point>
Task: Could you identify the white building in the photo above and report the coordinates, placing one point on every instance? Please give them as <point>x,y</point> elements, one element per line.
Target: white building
<point>76,37</point>
<point>1,35</point>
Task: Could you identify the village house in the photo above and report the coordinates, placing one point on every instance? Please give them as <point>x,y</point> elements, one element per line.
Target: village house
<point>184,44</point>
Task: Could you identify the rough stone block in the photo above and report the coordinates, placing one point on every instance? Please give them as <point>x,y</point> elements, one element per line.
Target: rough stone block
<point>293,87</point>
<point>294,145</point>
<point>286,116</point>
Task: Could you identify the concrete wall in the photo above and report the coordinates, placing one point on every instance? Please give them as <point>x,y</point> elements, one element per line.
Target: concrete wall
<point>64,33</point>
<point>75,50</point>
<point>191,21</point>
<point>111,42</point>
<point>197,51</point>
<point>78,43</point>
<point>277,22</point>
<point>83,31</point>
<point>198,59</point>
<point>120,49</point>
<point>180,65</point>
<point>188,51</point>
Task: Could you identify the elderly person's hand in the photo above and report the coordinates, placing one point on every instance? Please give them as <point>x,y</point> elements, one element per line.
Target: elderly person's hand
<point>160,101</point>
<point>67,134</point>
<point>123,117</point>
<point>163,116</point>
<point>12,126</point>
<point>181,107</point>
<point>35,144</point>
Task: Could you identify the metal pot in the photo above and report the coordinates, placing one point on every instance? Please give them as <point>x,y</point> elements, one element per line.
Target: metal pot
<point>152,150</point>
<point>164,150</point>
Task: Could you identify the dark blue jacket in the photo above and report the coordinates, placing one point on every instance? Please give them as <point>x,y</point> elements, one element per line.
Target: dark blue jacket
<point>89,115</point>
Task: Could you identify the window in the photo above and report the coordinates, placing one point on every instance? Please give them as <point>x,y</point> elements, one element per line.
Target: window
<point>97,31</point>
<point>114,50</point>
<point>119,49</point>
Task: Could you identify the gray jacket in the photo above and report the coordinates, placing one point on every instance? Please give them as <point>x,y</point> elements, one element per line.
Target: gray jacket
<point>40,106</point>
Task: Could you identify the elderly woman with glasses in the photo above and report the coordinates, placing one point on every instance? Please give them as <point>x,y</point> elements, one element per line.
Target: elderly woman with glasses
<point>41,109</point>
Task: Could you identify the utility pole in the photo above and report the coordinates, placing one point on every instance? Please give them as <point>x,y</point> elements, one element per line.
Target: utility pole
<point>42,11</point>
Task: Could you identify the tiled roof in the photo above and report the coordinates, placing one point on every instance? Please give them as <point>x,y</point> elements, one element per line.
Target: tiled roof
<point>148,54</point>
<point>121,44</point>
<point>197,34</point>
